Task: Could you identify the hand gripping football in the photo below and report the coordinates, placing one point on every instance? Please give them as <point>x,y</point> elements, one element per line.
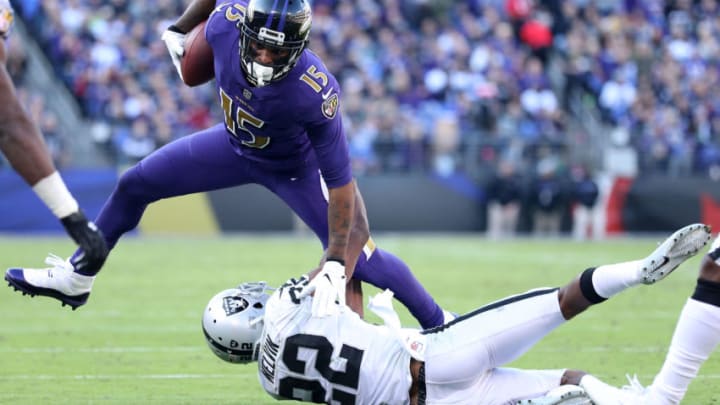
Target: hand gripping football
<point>197,62</point>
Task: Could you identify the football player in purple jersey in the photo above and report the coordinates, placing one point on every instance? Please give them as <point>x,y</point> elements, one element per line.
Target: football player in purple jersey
<point>282,129</point>
<point>24,147</point>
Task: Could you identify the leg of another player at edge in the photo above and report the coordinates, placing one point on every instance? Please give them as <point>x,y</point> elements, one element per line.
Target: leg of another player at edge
<point>595,285</point>
<point>697,332</point>
<point>696,336</point>
<point>152,179</point>
<point>384,270</point>
<point>581,293</point>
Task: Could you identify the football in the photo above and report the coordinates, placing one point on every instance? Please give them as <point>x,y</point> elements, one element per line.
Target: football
<point>197,62</point>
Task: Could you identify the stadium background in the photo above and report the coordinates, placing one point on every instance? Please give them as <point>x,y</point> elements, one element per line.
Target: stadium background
<point>439,99</point>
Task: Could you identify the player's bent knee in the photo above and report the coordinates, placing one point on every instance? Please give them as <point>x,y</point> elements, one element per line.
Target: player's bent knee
<point>573,298</point>
<point>572,377</point>
<point>132,185</point>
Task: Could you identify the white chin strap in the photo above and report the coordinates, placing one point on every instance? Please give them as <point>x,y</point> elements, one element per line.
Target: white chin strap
<point>262,74</point>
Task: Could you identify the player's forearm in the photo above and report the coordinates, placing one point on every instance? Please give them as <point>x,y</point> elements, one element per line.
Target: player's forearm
<point>359,234</point>
<point>23,146</point>
<point>194,14</point>
<point>20,140</point>
<point>354,297</point>
<point>341,209</point>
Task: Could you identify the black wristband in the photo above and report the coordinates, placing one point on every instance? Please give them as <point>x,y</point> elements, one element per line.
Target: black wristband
<point>174,28</point>
<point>334,259</point>
<point>714,254</point>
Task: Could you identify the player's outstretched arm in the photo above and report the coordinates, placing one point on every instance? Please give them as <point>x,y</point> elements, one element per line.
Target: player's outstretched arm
<point>341,213</point>
<point>358,239</point>
<point>330,283</point>
<point>24,147</point>
<point>359,236</point>
<point>197,12</point>
<point>328,286</point>
<point>20,140</point>
<point>359,233</point>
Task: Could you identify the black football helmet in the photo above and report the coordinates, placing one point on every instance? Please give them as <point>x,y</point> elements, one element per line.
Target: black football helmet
<point>280,26</point>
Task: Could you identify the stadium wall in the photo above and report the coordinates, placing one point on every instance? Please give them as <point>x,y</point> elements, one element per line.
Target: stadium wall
<point>23,212</point>
<point>394,203</point>
<point>661,204</point>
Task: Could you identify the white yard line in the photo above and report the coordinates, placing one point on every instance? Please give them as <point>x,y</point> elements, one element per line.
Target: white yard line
<point>601,349</point>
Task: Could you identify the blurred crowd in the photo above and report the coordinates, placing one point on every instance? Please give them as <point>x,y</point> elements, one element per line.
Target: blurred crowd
<point>652,67</point>
<point>109,55</point>
<point>435,86</point>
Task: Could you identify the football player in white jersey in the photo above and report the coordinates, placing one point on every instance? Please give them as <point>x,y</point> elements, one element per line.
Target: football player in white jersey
<point>24,147</point>
<point>338,358</point>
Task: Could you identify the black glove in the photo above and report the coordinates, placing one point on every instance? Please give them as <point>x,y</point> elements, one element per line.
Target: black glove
<point>90,239</point>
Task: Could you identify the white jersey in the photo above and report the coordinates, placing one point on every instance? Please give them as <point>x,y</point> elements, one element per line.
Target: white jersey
<point>6,17</point>
<point>336,360</point>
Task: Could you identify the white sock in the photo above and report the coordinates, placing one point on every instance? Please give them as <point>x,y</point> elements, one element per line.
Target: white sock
<point>610,279</point>
<point>54,193</point>
<point>696,336</point>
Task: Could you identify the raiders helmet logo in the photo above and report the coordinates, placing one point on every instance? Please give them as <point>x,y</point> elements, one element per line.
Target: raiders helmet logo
<point>233,305</point>
<point>330,106</point>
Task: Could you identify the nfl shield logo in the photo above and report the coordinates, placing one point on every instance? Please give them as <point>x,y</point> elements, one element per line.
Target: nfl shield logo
<point>247,94</point>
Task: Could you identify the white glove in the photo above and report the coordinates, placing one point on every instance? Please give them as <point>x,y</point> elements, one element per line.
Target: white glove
<point>6,18</point>
<point>329,288</point>
<point>175,43</point>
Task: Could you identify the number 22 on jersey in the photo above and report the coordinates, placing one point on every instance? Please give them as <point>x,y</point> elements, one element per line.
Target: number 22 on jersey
<point>309,389</point>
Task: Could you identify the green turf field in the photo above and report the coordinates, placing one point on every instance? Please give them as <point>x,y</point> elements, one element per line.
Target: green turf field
<point>139,341</point>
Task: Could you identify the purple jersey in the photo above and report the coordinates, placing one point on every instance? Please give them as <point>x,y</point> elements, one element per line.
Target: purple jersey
<point>286,124</point>
<point>282,137</point>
